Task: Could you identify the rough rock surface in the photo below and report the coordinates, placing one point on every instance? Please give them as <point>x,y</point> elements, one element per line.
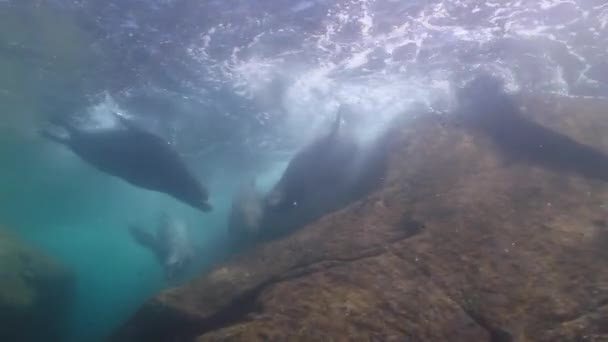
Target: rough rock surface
<point>35,292</point>
<point>464,241</point>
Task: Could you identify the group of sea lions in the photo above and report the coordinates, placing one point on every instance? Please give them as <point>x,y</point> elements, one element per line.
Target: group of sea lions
<point>317,179</point>
<point>324,175</point>
<point>146,161</point>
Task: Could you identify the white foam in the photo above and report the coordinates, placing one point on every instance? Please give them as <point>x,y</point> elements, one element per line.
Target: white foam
<point>302,6</point>
<point>358,59</point>
<point>548,4</point>
<point>101,115</point>
<point>339,70</point>
<point>603,17</point>
<point>366,20</point>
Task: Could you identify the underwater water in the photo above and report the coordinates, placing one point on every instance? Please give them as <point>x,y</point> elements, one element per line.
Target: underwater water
<point>236,89</point>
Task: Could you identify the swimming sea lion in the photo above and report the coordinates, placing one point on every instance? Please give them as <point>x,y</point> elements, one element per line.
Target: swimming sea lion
<point>322,165</point>
<point>171,244</point>
<point>246,212</point>
<point>485,105</point>
<point>138,157</point>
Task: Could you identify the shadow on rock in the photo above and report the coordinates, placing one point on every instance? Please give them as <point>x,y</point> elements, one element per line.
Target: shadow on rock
<point>35,293</point>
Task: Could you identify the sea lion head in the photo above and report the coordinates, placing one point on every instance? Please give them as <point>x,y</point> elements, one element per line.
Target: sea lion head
<point>196,195</point>
<point>176,265</point>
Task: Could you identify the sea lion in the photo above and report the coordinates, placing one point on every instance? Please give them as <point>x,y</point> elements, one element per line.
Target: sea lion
<point>246,212</point>
<point>171,244</point>
<point>320,167</point>
<point>485,105</point>
<point>136,156</point>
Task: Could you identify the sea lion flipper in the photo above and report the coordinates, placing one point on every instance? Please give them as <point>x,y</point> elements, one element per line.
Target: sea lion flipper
<point>63,122</point>
<point>54,137</point>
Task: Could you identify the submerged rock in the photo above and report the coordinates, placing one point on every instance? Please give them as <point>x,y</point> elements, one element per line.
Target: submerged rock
<point>35,293</point>
<point>461,242</point>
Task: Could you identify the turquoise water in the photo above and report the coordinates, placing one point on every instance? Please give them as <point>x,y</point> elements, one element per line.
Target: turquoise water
<point>80,216</point>
<point>71,211</point>
<point>236,87</point>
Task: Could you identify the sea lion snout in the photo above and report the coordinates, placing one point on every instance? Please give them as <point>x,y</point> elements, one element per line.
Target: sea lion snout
<point>176,266</point>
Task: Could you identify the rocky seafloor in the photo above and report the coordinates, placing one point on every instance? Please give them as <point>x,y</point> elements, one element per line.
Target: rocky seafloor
<point>35,293</point>
<point>491,224</point>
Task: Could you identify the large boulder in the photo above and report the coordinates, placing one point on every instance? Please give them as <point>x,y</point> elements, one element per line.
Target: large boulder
<point>480,231</point>
<point>35,293</point>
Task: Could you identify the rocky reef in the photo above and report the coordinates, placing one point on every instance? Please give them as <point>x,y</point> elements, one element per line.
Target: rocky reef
<point>35,293</point>
<point>491,224</point>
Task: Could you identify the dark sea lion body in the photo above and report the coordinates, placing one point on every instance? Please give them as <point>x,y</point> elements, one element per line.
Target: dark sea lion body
<point>324,176</point>
<point>322,167</point>
<point>486,106</point>
<point>138,157</point>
